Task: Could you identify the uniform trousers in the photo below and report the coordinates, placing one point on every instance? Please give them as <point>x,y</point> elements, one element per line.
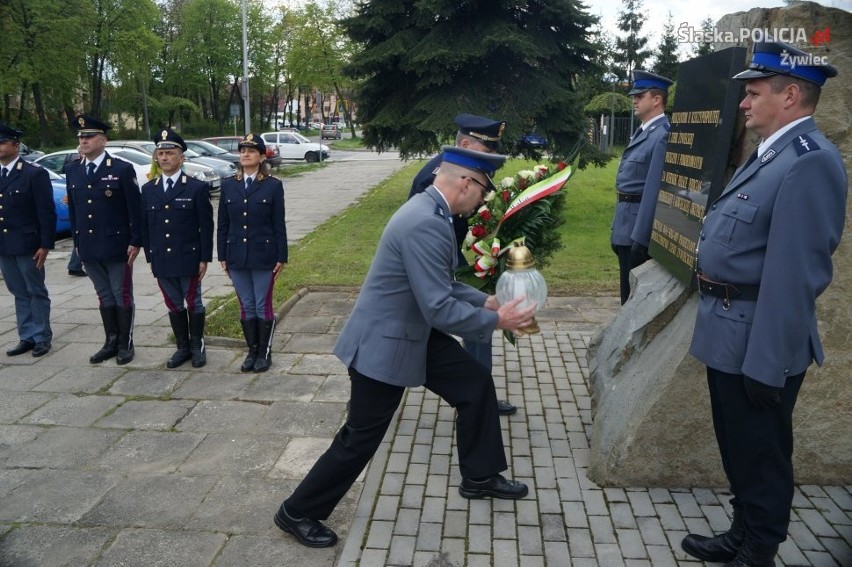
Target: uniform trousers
<point>450,373</point>
<point>254,291</point>
<point>113,283</point>
<point>756,446</point>
<point>182,290</point>
<point>74,263</point>
<point>32,303</point>
<point>481,352</point>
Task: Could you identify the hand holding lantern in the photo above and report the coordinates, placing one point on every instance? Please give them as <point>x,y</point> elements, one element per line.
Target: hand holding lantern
<point>521,279</point>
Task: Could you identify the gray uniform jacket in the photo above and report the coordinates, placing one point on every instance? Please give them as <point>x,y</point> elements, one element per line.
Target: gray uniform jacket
<point>408,291</point>
<point>640,173</point>
<point>776,225</point>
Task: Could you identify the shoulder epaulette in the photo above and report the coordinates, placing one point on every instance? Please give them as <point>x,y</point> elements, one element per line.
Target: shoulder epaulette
<point>804,144</point>
<point>439,211</point>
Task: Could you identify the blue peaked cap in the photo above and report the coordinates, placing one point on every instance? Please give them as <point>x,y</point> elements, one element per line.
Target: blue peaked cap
<point>645,81</point>
<point>771,58</point>
<point>481,162</point>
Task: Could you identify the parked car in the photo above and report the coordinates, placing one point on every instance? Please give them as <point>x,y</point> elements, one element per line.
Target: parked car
<point>223,169</point>
<point>294,146</point>
<point>197,170</point>
<point>29,154</point>
<point>207,149</point>
<point>330,131</point>
<point>231,143</point>
<point>55,162</point>
<point>60,202</point>
<point>533,141</point>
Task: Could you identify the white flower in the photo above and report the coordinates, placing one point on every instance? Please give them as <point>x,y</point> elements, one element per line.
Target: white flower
<point>489,196</point>
<point>540,169</point>
<point>469,239</point>
<point>526,174</point>
<point>507,182</point>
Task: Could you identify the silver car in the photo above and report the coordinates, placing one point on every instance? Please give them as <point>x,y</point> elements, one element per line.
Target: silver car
<point>222,168</point>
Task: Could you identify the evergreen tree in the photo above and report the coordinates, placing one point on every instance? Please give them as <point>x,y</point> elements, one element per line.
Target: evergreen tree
<point>630,52</point>
<point>424,61</point>
<point>705,47</point>
<point>667,60</point>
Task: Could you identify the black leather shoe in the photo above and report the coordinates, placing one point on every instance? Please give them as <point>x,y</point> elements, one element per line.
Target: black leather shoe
<point>719,549</point>
<point>41,349</point>
<point>504,407</point>
<point>77,273</point>
<point>496,487</point>
<point>308,532</point>
<point>20,348</point>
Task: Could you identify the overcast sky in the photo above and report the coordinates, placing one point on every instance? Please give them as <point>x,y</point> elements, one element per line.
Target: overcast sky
<point>691,12</point>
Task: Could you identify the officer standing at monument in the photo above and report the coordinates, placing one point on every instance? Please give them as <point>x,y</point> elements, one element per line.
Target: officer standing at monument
<point>480,134</point>
<point>639,174</point>
<point>104,205</point>
<point>764,256</point>
<point>177,236</point>
<point>27,232</point>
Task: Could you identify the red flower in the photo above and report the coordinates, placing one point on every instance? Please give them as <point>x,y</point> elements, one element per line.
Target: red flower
<point>522,183</point>
<point>561,165</point>
<point>505,195</point>
<point>485,214</point>
<point>478,231</point>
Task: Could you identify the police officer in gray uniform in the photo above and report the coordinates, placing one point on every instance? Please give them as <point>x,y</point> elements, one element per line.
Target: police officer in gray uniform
<point>177,236</point>
<point>104,205</point>
<point>27,231</point>
<point>639,174</point>
<point>764,256</point>
<point>398,336</point>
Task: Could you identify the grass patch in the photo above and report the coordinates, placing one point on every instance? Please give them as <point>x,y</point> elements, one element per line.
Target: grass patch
<point>298,168</point>
<point>346,144</point>
<point>339,252</point>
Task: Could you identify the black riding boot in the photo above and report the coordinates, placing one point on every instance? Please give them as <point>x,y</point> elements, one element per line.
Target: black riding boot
<point>110,348</point>
<point>250,332</point>
<point>125,335</point>
<point>264,340</point>
<point>196,341</point>
<point>180,326</point>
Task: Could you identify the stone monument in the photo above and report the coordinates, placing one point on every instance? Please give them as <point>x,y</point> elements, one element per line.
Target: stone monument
<point>651,409</point>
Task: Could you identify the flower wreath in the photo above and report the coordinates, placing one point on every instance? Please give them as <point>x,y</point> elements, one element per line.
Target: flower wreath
<point>525,208</point>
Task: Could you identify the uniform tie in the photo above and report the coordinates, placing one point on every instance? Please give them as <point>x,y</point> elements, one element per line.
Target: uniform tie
<point>5,173</point>
<point>169,185</point>
<point>248,183</point>
<point>91,172</point>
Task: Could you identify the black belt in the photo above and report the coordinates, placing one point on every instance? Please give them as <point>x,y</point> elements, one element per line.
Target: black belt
<point>727,291</point>
<point>629,197</point>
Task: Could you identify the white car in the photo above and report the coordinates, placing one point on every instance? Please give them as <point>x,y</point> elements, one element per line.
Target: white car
<point>294,146</point>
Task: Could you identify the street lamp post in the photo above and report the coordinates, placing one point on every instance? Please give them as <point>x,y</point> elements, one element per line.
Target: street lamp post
<point>245,89</point>
<point>613,79</point>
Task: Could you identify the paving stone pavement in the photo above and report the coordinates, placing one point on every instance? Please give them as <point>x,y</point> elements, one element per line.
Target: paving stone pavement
<point>139,465</point>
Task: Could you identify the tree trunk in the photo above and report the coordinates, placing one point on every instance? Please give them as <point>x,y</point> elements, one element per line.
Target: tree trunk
<point>23,106</point>
<point>42,119</point>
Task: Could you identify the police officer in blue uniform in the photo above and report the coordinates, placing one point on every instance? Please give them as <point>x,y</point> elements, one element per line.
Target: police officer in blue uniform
<point>104,204</point>
<point>639,174</point>
<point>764,256</point>
<point>480,134</point>
<point>251,239</point>
<point>177,236</point>
<point>27,231</point>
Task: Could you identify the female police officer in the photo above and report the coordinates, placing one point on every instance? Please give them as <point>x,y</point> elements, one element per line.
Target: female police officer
<point>252,246</point>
